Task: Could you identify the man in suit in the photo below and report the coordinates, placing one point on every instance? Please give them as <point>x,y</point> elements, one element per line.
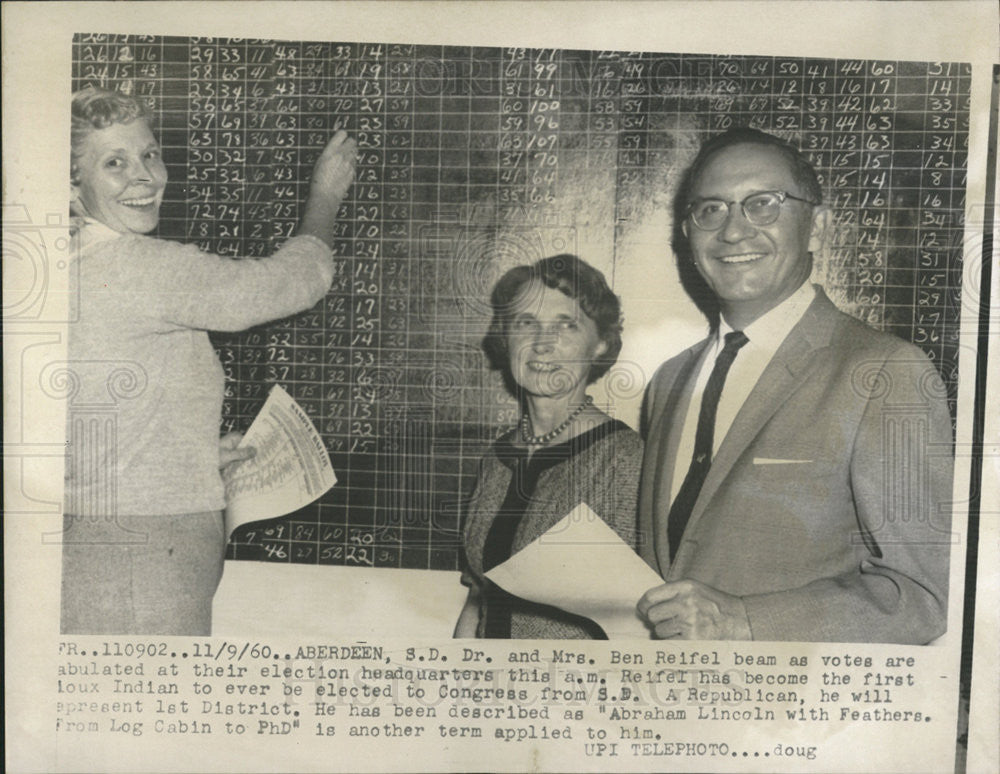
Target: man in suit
<point>798,466</point>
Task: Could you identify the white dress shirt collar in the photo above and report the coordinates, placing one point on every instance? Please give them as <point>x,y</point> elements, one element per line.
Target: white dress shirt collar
<point>771,328</point>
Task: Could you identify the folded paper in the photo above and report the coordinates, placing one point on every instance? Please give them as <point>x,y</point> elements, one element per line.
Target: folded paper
<point>290,469</point>
<point>582,566</point>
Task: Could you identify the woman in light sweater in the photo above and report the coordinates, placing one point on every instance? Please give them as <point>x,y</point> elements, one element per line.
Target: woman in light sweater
<point>143,543</point>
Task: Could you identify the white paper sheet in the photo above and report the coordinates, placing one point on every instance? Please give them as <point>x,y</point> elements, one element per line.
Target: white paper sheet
<point>581,565</point>
<point>290,470</point>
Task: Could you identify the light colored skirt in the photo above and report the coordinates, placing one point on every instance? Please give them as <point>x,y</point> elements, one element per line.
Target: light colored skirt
<point>141,574</point>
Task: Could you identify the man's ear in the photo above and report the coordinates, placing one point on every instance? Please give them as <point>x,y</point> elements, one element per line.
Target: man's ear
<point>821,218</point>
<point>684,229</point>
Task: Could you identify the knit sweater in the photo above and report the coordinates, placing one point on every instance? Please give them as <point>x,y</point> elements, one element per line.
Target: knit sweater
<point>145,387</point>
<point>600,468</point>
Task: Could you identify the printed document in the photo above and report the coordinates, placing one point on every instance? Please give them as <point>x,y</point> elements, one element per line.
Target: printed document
<point>290,470</point>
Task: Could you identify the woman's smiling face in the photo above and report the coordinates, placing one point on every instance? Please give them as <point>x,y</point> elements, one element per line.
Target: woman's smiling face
<point>120,177</point>
<point>551,341</point>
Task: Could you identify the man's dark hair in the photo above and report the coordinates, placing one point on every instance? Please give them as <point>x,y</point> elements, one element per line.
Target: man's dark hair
<point>802,172</point>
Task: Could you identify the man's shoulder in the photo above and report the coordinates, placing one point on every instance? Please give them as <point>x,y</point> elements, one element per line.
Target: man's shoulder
<point>854,339</point>
<point>669,368</point>
<point>852,352</point>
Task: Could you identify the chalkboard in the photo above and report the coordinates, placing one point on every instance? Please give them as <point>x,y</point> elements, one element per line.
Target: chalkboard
<point>476,159</point>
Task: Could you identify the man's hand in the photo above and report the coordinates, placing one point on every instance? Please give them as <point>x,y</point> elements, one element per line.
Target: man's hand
<point>228,451</point>
<point>689,610</point>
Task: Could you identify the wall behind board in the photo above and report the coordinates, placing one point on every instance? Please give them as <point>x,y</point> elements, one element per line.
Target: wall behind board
<point>473,160</point>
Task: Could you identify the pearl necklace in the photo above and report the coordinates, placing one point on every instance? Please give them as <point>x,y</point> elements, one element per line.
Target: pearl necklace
<point>541,440</point>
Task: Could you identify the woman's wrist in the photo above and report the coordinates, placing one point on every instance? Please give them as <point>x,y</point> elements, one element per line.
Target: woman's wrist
<point>320,220</point>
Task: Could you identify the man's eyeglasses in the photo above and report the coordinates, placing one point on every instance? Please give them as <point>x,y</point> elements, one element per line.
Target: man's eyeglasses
<point>761,209</point>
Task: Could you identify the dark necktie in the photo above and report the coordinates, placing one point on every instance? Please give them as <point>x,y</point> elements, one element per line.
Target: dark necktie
<point>701,460</point>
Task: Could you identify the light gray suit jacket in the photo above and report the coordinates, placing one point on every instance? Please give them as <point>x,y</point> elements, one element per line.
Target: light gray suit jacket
<point>827,506</point>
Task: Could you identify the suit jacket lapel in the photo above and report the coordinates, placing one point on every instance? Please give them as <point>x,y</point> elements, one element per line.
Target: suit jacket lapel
<point>665,425</point>
<point>787,370</point>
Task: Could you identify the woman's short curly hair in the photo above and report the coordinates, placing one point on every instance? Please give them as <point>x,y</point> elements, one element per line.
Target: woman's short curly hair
<point>95,109</point>
<point>572,277</point>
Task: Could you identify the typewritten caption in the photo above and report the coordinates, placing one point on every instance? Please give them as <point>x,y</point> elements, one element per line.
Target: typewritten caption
<point>672,701</point>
